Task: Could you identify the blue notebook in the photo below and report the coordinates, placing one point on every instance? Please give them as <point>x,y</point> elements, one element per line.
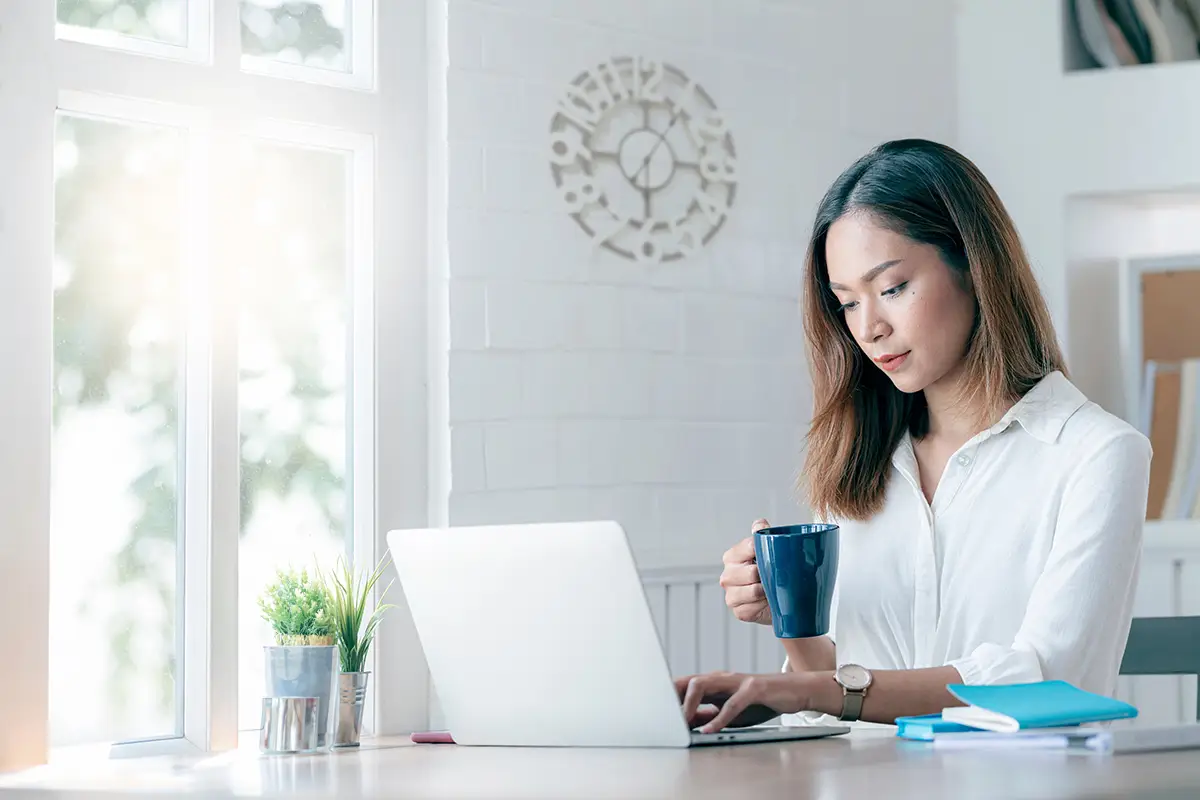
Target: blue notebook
<point>924,727</point>
<point>1018,706</point>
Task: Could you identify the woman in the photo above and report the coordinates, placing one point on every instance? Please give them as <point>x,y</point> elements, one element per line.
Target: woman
<point>991,516</point>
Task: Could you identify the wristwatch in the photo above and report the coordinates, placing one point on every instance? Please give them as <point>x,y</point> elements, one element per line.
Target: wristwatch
<point>854,680</point>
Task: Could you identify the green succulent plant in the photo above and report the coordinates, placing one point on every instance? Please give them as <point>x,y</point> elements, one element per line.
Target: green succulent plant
<point>297,607</point>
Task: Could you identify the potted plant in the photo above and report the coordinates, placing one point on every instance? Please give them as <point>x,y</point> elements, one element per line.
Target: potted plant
<point>354,633</point>
<point>303,661</point>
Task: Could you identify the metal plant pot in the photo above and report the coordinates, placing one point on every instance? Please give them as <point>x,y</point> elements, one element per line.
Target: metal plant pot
<point>352,693</point>
<point>305,671</point>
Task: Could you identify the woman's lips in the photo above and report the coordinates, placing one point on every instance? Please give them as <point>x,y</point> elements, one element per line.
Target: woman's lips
<point>892,361</point>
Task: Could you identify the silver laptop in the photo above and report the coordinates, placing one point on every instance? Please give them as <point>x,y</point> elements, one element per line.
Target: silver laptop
<point>540,635</point>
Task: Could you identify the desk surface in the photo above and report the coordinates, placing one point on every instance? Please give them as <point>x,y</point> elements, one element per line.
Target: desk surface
<point>864,764</point>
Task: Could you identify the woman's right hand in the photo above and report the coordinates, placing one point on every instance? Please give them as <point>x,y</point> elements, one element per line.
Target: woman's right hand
<point>744,592</point>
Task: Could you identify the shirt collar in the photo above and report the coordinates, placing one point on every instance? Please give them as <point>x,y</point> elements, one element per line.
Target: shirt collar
<point>1045,409</point>
<point>1042,412</point>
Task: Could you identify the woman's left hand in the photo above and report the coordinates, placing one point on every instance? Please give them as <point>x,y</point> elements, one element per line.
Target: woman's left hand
<point>738,700</point>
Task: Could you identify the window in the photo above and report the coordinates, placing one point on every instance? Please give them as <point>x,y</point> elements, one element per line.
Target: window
<point>212,358</point>
<point>296,377</point>
<point>325,40</point>
<point>115,537</point>
<point>176,29</point>
<point>162,21</point>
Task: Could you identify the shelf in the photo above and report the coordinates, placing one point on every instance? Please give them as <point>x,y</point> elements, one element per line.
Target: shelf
<point>1115,36</point>
<point>1128,130</point>
<point>1173,535</point>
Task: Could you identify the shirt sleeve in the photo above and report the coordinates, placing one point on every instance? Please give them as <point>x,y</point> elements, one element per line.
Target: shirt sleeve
<point>1077,621</point>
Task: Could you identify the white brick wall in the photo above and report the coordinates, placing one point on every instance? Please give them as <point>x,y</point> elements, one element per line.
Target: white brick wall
<point>670,398</point>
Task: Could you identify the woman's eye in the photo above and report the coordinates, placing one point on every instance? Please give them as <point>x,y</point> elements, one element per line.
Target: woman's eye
<point>844,307</point>
<point>895,290</point>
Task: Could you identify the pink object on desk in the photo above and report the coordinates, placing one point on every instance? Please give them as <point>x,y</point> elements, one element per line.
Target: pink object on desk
<point>432,737</point>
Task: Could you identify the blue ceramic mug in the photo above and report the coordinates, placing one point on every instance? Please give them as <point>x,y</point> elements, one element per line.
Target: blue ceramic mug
<point>797,565</point>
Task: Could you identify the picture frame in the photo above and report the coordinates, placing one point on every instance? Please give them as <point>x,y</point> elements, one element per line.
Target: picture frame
<point>1160,360</point>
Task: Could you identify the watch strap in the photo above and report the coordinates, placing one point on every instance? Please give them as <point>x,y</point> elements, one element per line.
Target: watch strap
<point>852,703</point>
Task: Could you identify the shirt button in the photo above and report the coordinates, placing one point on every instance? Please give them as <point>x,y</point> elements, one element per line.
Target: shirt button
<point>964,460</point>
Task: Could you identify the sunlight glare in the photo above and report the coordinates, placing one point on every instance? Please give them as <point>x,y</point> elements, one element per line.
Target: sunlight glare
<point>329,442</point>
<point>269,389</point>
<point>137,162</point>
<point>287,415</point>
<point>62,271</point>
<point>149,330</point>
<point>335,12</point>
<point>259,21</point>
<point>124,19</point>
<point>168,21</point>
<point>255,351</point>
<point>66,157</point>
<point>296,250</point>
<point>289,55</point>
<point>254,448</point>
<point>70,383</point>
<point>266,210</point>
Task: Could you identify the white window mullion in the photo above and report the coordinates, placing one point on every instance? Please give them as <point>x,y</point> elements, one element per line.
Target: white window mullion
<point>413,31</point>
<point>195,518</point>
<point>224,455</point>
<point>82,67</point>
<point>227,38</point>
<point>200,30</point>
<point>261,97</point>
<point>364,63</point>
<point>210,417</point>
<point>26,317</point>
<point>224,467</point>
<point>361,357</point>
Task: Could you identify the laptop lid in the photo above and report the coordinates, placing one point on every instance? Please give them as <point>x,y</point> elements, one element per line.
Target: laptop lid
<point>539,635</point>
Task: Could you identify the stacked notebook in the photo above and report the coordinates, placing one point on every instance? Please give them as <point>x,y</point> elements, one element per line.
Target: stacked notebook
<point>1044,713</point>
<point>1046,704</point>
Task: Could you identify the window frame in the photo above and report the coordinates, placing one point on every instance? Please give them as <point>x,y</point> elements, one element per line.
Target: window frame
<point>360,268</point>
<point>197,48</point>
<point>193,589</point>
<point>27,122</point>
<point>361,74</point>
<point>383,126</point>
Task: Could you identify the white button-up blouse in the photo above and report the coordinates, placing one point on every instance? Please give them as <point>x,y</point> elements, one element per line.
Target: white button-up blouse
<point>1024,566</point>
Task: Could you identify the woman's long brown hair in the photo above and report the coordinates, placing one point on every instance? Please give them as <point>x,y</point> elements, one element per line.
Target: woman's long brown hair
<point>934,195</point>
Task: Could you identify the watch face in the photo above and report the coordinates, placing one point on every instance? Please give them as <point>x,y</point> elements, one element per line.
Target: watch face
<point>852,676</point>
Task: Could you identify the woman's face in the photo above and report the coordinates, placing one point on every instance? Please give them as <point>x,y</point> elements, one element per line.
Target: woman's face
<point>902,303</point>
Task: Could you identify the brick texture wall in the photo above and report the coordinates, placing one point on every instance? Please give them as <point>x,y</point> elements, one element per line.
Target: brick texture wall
<point>673,397</point>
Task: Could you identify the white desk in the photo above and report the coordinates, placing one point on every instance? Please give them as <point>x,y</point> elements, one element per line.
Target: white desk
<point>865,764</point>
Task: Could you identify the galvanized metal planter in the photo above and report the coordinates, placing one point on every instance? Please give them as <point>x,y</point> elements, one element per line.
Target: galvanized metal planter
<point>352,693</point>
<point>305,671</point>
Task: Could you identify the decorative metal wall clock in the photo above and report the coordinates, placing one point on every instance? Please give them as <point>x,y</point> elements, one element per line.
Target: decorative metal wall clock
<point>642,159</point>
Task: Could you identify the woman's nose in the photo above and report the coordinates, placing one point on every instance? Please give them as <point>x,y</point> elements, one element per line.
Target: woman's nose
<point>872,326</point>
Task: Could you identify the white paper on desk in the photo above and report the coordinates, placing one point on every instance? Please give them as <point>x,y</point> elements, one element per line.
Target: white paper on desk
<point>1078,738</point>
<point>1041,738</point>
<point>1081,738</point>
